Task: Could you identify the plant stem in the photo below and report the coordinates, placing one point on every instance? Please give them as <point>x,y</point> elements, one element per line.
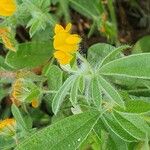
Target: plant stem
<point>85,61</point>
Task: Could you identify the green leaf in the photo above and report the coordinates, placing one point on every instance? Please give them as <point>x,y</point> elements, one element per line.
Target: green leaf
<point>82,84</point>
<point>3,65</point>
<point>67,134</point>
<point>54,79</point>
<point>133,124</point>
<point>115,143</point>
<point>74,91</point>
<point>30,55</point>
<point>110,91</point>
<point>18,116</point>
<point>61,94</point>
<point>115,127</point>
<point>6,143</point>
<point>36,24</point>
<point>65,8</point>
<point>54,75</point>
<point>136,107</point>
<point>87,8</point>
<point>112,55</point>
<point>135,66</point>
<point>97,52</point>
<point>96,92</point>
<point>142,45</point>
<point>143,145</point>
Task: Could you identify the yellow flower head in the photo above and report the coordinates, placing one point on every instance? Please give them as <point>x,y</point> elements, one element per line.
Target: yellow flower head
<point>7,7</point>
<point>18,90</point>
<point>65,44</point>
<point>24,91</point>
<point>5,35</point>
<point>62,57</point>
<point>35,103</point>
<point>6,123</point>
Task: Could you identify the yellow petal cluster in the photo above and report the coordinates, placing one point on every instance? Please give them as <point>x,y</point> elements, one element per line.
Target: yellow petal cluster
<point>6,123</point>
<point>35,103</point>
<point>20,92</point>
<point>7,7</point>
<point>65,44</point>
<point>5,35</point>
<point>17,90</point>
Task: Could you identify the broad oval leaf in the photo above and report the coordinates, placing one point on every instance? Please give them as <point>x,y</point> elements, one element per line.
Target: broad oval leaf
<point>30,55</point>
<point>112,55</point>
<point>54,75</point>
<point>97,52</point>
<point>142,45</point>
<point>135,66</point>
<point>67,134</point>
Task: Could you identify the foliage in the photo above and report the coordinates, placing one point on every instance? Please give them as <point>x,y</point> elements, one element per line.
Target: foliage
<point>98,101</point>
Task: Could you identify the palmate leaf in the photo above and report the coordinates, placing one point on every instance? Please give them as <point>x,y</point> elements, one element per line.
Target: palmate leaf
<point>67,134</point>
<point>135,66</point>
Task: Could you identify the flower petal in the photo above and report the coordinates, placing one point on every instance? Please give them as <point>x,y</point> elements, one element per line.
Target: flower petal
<point>68,48</point>
<point>62,57</point>
<point>59,39</point>
<point>7,7</point>
<point>35,103</point>
<point>59,28</point>
<point>73,39</point>
<point>68,27</point>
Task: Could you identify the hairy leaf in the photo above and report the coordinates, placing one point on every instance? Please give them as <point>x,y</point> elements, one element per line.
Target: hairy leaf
<point>135,66</point>
<point>67,134</point>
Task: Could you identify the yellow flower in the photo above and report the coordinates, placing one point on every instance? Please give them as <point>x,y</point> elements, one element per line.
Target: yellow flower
<point>62,57</point>
<point>23,91</point>
<point>18,90</point>
<point>6,123</point>
<point>35,103</point>
<point>65,44</point>
<point>7,7</point>
<point>8,127</point>
<point>5,35</point>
